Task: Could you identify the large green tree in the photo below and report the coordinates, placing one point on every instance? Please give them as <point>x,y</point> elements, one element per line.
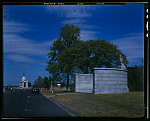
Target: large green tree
<point>87,55</point>
<point>68,53</point>
<point>69,35</point>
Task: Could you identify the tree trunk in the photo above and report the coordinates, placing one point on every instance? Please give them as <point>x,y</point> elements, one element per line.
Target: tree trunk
<point>67,86</point>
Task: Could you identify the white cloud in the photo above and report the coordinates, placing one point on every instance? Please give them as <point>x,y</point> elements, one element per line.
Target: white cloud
<point>20,58</point>
<point>87,31</point>
<point>15,27</point>
<point>87,35</point>
<point>19,48</point>
<point>14,43</point>
<point>77,15</point>
<point>70,11</point>
<point>131,45</point>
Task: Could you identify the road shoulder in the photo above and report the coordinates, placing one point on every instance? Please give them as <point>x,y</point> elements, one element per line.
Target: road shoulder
<point>70,112</point>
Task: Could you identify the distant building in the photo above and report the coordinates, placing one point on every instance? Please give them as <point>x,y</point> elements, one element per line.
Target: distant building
<point>23,82</point>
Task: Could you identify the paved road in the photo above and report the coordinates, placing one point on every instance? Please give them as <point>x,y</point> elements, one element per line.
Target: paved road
<point>26,104</point>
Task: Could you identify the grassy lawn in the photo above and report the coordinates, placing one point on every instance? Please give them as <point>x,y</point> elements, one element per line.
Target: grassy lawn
<point>102,105</point>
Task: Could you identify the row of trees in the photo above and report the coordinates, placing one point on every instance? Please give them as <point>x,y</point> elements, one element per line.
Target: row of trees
<point>46,82</point>
<point>42,82</point>
<point>136,78</point>
<point>69,54</point>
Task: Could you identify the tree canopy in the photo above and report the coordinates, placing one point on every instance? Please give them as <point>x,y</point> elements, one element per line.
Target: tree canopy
<point>69,35</point>
<point>68,53</point>
<point>90,54</point>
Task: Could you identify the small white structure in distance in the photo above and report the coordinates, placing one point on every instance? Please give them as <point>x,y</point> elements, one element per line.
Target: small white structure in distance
<point>23,82</point>
<point>58,85</point>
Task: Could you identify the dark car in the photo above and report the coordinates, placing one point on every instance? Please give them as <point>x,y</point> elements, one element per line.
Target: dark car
<point>35,90</point>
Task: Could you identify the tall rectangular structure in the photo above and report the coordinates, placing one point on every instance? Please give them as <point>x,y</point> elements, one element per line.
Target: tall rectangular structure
<point>84,83</point>
<point>110,80</point>
<point>102,81</point>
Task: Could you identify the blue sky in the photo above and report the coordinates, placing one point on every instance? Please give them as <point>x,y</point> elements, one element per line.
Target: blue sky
<point>29,31</point>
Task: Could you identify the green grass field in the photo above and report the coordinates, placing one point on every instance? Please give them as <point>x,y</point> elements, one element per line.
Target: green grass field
<point>129,105</point>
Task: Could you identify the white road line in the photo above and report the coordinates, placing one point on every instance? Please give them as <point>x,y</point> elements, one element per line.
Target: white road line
<point>27,110</point>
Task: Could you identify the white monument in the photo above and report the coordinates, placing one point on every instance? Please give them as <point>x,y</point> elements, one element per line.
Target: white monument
<point>103,81</point>
<point>122,65</point>
<point>23,82</point>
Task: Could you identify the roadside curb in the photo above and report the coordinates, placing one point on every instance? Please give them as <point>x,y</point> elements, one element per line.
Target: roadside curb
<point>71,113</point>
<point>65,109</point>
